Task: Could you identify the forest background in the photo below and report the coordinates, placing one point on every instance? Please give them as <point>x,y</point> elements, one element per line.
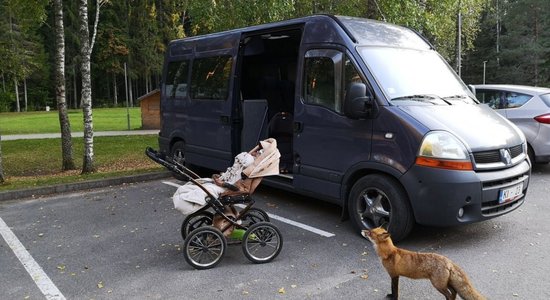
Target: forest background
<point>503,41</point>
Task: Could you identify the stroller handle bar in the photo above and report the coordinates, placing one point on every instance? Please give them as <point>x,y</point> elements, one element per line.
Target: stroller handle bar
<point>174,166</point>
<point>160,158</point>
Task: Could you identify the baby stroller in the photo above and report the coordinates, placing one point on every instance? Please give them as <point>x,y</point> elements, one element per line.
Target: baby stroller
<point>219,209</point>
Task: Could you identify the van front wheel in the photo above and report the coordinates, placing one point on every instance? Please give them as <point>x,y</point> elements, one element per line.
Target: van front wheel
<point>379,201</point>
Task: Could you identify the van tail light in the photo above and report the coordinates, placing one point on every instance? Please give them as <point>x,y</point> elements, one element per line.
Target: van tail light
<point>545,119</point>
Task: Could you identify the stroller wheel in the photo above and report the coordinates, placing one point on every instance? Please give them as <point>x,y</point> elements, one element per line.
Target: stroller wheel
<point>253,216</point>
<point>204,247</point>
<point>262,242</point>
<point>194,221</point>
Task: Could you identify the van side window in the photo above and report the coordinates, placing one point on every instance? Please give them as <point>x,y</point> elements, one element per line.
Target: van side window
<point>210,78</point>
<point>320,78</point>
<point>327,76</point>
<point>175,84</point>
<point>351,75</point>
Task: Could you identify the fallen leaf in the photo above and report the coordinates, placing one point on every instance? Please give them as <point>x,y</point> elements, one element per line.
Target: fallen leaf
<point>282,290</point>
<point>365,276</point>
<point>293,286</point>
<point>100,285</point>
<point>61,267</point>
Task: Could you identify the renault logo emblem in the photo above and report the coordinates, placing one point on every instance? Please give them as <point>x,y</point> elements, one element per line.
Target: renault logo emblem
<point>505,156</point>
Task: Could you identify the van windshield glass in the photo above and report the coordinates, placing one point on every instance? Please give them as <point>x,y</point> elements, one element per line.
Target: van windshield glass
<point>404,74</point>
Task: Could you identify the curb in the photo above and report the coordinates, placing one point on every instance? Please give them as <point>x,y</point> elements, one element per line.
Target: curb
<point>85,185</point>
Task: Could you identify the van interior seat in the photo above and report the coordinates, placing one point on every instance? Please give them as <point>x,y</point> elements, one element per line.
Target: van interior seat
<point>281,129</point>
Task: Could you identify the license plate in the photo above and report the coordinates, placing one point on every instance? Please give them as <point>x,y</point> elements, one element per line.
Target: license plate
<point>511,193</point>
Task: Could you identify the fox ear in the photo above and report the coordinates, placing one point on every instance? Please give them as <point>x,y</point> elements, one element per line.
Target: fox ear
<point>385,235</point>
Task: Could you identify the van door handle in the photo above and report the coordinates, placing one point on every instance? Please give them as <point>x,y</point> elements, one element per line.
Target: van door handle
<point>298,127</point>
<point>224,120</point>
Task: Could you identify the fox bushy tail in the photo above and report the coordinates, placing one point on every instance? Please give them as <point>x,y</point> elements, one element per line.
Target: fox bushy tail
<point>460,282</point>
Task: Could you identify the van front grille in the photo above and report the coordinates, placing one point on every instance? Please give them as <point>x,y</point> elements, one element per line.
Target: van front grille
<point>487,157</point>
<point>505,181</point>
<point>494,159</point>
<point>494,208</point>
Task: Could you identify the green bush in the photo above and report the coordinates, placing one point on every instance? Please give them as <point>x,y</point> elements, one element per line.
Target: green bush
<point>7,101</point>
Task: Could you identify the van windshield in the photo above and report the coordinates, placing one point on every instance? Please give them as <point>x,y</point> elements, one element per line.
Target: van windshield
<point>412,76</point>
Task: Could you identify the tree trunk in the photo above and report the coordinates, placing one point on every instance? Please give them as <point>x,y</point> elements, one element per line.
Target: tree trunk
<point>2,179</point>
<point>16,95</point>
<point>60,95</point>
<point>85,53</point>
<point>131,92</point>
<point>115,91</point>
<point>75,91</point>
<point>25,94</point>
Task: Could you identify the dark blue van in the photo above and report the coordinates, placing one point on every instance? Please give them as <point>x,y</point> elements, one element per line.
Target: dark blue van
<point>366,114</point>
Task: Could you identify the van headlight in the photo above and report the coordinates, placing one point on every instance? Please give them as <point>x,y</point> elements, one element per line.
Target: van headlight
<point>440,149</point>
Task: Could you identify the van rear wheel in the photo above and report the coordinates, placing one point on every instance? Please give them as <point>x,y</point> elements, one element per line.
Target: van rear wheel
<point>380,201</point>
<point>177,155</point>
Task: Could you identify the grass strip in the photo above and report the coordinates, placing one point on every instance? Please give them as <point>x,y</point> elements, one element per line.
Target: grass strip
<point>105,119</point>
<point>34,163</point>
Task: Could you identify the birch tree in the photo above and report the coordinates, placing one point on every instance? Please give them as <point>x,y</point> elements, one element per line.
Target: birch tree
<point>66,142</point>
<point>86,47</point>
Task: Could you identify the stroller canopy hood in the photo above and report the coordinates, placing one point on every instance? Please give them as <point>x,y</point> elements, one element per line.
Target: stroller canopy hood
<point>267,162</point>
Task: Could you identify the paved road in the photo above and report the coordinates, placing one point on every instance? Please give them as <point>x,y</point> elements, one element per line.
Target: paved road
<point>76,134</point>
<point>123,242</point>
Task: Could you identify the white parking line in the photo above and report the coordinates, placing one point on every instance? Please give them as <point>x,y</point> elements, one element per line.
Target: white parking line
<point>172,184</point>
<point>281,219</point>
<point>41,279</point>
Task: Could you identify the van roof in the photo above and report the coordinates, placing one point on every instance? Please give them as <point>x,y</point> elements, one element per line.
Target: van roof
<point>359,30</point>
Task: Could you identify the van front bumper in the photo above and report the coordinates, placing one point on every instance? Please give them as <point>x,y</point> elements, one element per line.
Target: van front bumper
<point>447,197</point>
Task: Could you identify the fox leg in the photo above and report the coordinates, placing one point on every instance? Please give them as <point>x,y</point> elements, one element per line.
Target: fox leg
<point>394,288</point>
<point>444,289</point>
<point>453,293</point>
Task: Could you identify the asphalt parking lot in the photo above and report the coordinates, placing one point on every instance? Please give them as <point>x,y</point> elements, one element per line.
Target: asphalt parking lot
<point>123,242</point>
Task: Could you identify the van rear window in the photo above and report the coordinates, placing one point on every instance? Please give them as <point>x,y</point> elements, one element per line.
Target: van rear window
<point>210,77</point>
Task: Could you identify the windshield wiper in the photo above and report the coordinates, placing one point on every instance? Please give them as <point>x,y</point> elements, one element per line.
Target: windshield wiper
<point>433,99</point>
<point>461,97</point>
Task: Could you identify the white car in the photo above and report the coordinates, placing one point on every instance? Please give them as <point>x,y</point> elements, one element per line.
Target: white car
<point>526,106</point>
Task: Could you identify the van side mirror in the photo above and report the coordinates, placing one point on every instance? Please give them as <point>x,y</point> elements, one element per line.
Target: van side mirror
<point>358,105</point>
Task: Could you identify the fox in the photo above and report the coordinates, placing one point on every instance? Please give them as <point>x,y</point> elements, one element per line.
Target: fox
<point>447,277</point>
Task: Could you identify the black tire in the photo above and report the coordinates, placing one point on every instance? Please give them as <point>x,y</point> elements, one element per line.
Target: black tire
<point>253,216</point>
<point>204,247</point>
<point>531,154</point>
<point>262,242</point>
<point>194,221</point>
<point>177,154</point>
<point>380,201</point>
